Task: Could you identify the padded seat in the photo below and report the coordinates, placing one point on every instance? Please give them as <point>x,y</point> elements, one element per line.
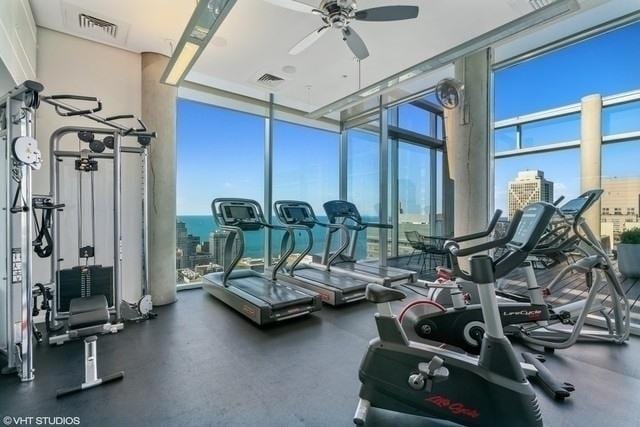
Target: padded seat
<point>380,294</point>
<point>88,311</point>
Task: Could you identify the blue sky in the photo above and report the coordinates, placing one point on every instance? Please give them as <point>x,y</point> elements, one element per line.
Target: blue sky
<point>220,152</point>
<point>607,64</point>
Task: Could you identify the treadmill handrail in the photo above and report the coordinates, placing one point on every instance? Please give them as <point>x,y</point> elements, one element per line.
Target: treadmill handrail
<point>345,241</point>
<point>233,232</point>
<point>288,230</point>
<point>306,250</point>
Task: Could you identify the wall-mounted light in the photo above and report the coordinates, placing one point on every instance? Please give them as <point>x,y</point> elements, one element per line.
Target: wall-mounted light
<point>205,21</point>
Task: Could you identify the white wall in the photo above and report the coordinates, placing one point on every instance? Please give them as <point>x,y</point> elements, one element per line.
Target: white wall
<point>6,81</point>
<point>18,39</point>
<point>71,65</point>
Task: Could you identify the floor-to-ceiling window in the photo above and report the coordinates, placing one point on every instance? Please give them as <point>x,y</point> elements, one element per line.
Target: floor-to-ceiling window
<point>414,192</point>
<point>305,168</point>
<point>539,119</point>
<point>416,142</point>
<point>363,183</point>
<point>220,153</point>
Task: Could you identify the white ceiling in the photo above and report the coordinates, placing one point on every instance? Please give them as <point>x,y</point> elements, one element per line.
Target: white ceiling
<point>259,35</point>
<point>256,36</point>
<point>151,23</point>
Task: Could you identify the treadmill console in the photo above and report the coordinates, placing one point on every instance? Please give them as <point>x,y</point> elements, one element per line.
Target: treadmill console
<point>341,210</point>
<point>245,214</point>
<point>534,222</point>
<point>295,213</point>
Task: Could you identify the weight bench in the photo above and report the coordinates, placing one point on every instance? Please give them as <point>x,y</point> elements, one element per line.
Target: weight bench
<point>87,316</point>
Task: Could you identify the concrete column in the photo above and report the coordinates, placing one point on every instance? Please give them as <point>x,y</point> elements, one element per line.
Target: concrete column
<point>591,154</point>
<point>159,113</point>
<point>467,141</point>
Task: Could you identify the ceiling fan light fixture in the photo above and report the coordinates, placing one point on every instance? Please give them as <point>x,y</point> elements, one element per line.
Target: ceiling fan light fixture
<point>205,21</point>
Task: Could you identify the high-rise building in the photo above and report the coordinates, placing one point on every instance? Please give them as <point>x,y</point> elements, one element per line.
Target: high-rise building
<point>217,240</point>
<point>529,186</point>
<point>620,206</point>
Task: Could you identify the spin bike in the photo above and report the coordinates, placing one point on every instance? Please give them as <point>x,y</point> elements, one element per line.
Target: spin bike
<point>426,379</point>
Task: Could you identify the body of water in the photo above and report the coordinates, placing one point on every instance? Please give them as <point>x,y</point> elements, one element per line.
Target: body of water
<point>202,225</point>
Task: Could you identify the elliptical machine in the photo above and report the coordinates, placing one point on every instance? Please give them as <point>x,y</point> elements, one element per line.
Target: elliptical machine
<point>427,380</point>
<point>529,318</point>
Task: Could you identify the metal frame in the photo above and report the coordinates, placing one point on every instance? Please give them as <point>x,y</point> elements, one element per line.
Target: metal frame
<point>268,179</point>
<point>17,339</point>
<point>540,116</point>
<point>384,183</point>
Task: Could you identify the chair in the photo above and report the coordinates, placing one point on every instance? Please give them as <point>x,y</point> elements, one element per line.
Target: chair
<point>416,243</point>
<point>438,256</point>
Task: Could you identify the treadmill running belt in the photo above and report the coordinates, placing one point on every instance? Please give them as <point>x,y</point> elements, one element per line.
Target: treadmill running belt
<point>372,269</point>
<point>273,293</point>
<point>343,282</point>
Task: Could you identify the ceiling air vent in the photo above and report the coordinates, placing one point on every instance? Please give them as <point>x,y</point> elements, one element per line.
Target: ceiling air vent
<point>93,25</point>
<point>269,78</point>
<point>91,22</point>
<point>270,81</point>
<point>539,4</point>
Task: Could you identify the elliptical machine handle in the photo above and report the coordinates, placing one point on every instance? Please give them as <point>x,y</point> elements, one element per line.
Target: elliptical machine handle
<point>513,227</point>
<point>490,228</point>
<point>456,252</point>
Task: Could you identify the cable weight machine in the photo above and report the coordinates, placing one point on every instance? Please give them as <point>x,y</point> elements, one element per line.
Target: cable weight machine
<point>20,157</point>
<point>87,277</point>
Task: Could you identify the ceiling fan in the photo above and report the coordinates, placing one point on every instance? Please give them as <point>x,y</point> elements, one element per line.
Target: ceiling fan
<point>339,14</point>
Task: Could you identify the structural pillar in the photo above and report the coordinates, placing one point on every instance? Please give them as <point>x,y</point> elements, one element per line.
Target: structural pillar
<point>467,146</point>
<point>591,154</point>
<point>159,113</point>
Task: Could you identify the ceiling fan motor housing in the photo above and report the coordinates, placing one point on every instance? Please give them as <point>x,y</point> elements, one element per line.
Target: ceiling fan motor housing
<point>338,12</point>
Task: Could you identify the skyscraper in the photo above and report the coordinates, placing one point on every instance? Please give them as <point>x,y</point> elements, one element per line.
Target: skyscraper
<point>529,186</point>
<point>217,240</point>
<point>620,206</point>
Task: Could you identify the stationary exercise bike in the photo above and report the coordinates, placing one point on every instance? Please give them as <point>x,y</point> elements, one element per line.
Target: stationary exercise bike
<point>528,317</point>
<point>429,380</point>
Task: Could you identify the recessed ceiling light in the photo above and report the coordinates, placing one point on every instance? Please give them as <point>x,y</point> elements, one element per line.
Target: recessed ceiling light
<point>218,41</point>
<point>289,69</point>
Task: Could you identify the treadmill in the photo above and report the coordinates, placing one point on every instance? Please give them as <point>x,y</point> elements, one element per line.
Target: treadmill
<point>346,214</point>
<point>260,298</point>
<point>334,288</point>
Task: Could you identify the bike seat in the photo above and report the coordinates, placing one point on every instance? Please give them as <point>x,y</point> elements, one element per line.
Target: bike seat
<point>380,294</point>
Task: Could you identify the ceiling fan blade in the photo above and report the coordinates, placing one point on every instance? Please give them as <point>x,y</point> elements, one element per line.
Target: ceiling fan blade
<point>355,43</point>
<point>308,41</point>
<point>293,5</point>
<point>388,13</point>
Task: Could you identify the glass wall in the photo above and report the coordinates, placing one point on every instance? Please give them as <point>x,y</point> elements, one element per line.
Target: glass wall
<point>416,131</point>
<point>220,153</point>
<point>363,183</point>
<point>414,192</point>
<point>537,150</point>
<point>305,168</point>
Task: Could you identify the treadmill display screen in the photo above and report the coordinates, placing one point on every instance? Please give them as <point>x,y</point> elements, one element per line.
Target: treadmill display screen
<point>297,214</point>
<point>240,212</point>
